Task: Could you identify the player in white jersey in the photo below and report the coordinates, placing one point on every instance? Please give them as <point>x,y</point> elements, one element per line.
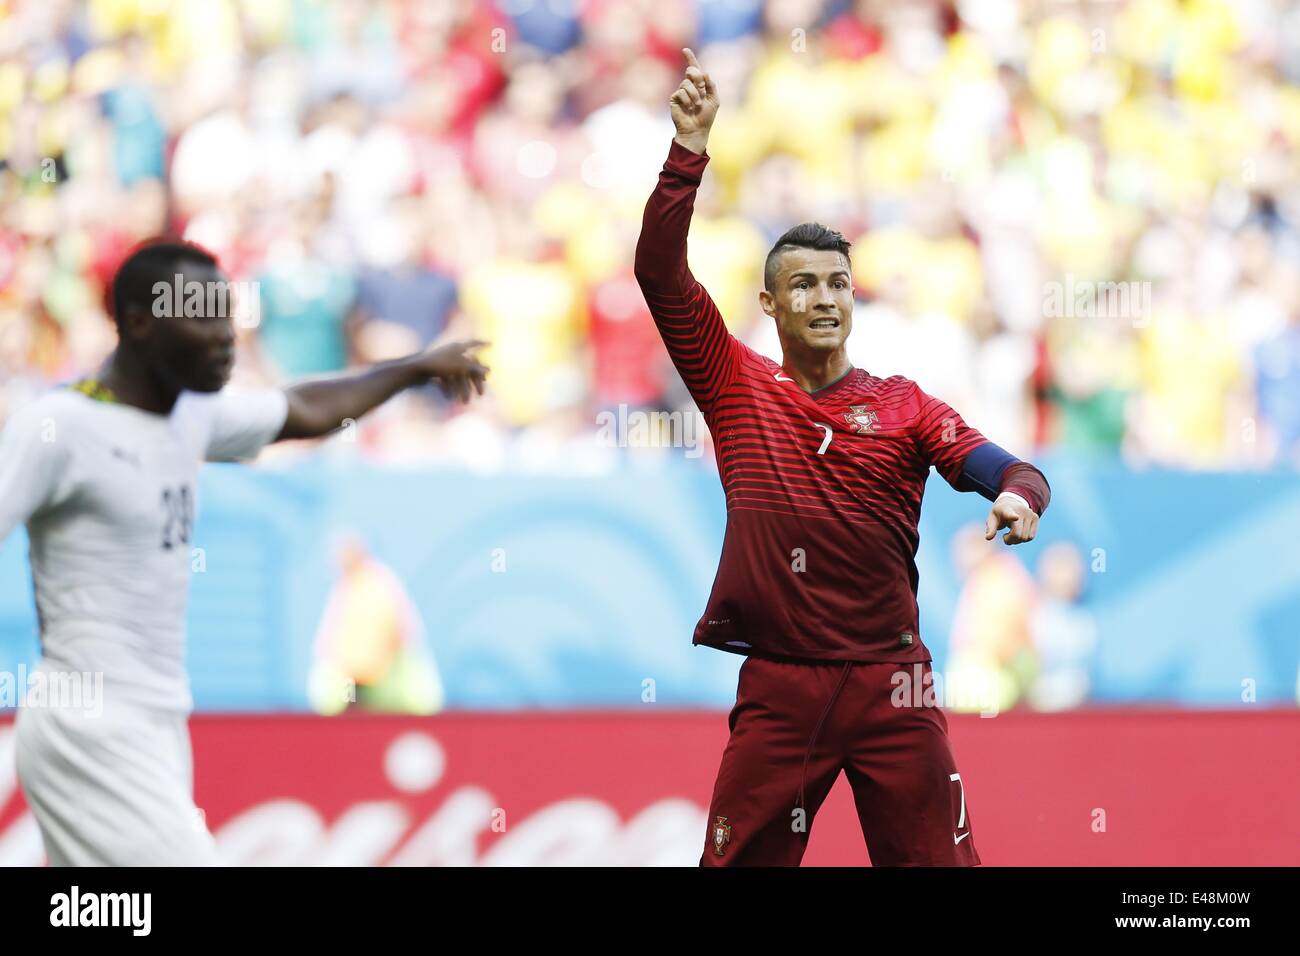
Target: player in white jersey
<point>104,475</point>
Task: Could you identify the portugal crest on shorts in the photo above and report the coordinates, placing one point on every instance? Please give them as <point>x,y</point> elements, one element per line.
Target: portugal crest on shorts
<point>861,419</point>
<point>721,835</point>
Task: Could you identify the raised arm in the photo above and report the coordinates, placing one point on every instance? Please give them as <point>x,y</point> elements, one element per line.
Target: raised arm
<point>705,354</point>
<point>319,407</point>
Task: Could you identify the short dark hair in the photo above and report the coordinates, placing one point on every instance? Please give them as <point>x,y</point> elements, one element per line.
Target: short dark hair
<point>150,262</point>
<point>806,235</point>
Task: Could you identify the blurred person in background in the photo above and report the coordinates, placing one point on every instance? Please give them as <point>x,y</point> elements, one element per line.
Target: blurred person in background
<point>1277,384</point>
<point>371,647</point>
<point>980,151</point>
<point>1064,633</point>
<point>991,659</point>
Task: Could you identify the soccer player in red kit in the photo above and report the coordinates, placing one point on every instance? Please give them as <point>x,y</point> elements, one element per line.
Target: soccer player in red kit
<point>823,465</point>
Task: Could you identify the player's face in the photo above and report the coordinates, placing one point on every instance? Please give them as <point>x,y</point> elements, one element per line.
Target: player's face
<point>812,299</point>
<point>195,352</point>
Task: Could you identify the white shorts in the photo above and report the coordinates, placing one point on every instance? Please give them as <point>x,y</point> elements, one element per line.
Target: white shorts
<point>114,789</point>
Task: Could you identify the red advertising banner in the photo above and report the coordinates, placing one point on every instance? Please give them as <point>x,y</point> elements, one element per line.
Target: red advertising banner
<point>1086,788</point>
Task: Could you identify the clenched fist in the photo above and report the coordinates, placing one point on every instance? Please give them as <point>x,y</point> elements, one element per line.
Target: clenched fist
<point>694,106</point>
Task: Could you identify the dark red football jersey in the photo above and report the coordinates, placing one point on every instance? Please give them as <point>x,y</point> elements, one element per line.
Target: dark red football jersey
<point>823,489</point>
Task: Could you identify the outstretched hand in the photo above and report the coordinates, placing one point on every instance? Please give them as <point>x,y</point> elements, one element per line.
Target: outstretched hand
<point>453,368</point>
<point>694,105</point>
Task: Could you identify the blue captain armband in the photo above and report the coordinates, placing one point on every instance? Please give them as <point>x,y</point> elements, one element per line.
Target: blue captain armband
<point>982,471</point>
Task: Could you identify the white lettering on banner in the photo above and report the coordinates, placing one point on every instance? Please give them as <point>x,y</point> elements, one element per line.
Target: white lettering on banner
<point>291,832</point>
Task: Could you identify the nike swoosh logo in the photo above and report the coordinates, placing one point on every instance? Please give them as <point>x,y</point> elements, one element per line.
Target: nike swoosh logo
<point>957,839</point>
<point>783,378</point>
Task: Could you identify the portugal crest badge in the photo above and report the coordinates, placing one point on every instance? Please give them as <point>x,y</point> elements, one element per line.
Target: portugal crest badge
<point>721,835</point>
<point>861,419</point>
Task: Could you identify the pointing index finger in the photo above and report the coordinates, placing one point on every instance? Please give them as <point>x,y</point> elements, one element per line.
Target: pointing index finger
<point>705,81</point>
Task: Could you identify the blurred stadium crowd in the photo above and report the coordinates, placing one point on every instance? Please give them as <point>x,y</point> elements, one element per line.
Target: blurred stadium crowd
<point>393,172</point>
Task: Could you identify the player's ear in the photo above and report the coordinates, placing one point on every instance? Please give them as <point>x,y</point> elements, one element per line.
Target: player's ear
<point>768,303</point>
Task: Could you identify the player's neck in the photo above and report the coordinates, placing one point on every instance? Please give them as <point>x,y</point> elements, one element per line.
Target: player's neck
<point>813,371</point>
<point>128,377</point>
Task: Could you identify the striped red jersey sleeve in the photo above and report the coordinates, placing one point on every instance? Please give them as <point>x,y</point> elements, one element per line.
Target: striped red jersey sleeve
<point>705,354</point>
<point>943,437</point>
<point>1028,482</point>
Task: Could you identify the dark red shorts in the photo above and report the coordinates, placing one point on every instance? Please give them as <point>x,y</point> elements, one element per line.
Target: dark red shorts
<point>795,726</point>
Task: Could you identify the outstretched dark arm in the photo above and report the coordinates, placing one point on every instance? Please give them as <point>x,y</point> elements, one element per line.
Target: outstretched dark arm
<point>319,407</point>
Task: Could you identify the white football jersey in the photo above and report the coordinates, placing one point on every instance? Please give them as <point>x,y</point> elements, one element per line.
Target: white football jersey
<point>108,494</point>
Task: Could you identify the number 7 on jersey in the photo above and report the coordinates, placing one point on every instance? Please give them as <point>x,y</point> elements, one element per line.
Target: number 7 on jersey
<point>826,442</point>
